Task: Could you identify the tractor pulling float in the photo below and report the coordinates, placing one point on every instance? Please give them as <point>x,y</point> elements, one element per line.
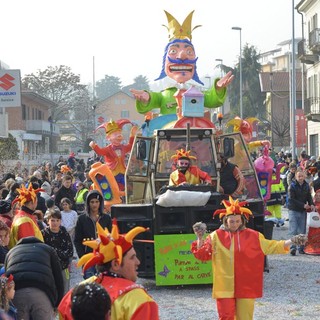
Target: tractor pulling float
<point>170,212</point>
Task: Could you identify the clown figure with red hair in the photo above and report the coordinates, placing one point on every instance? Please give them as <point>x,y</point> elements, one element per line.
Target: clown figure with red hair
<point>237,254</point>
<point>185,172</point>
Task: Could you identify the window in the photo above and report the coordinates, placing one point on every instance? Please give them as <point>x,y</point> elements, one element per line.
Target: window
<point>125,114</point>
<point>314,145</point>
<point>24,112</point>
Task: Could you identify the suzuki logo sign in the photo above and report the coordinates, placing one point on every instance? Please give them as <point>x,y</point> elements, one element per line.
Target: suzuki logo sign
<point>5,82</point>
<point>10,95</point>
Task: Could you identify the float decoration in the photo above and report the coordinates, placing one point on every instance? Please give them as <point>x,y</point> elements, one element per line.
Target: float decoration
<point>264,167</point>
<point>114,154</point>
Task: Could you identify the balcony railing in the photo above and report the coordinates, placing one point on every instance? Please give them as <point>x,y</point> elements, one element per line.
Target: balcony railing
<point>305,55</point>
<point>312,109</point>
<point>314,40</point>
<point>42,127</point>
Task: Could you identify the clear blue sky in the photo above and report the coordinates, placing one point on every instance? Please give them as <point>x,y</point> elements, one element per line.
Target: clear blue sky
<point>127,37</point>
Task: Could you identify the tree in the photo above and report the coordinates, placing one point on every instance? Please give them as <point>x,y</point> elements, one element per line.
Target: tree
<point>9,149</point>
<point>82,119</point>
<point>280,128</point>
<point>62,86</point>
<point>252,97</point>
<point>140,83</point>
<point>58,84</point>
<point>107,87</point>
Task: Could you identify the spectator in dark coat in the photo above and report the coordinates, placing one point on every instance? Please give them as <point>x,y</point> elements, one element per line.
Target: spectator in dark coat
<point>4,241</point>
<point>41,200</point>
<point>86,225</point>
<point>37,274</point>
<point>300,201</point>
<point>57,237</point>
<point>6,212</point>
<point>65,191</point>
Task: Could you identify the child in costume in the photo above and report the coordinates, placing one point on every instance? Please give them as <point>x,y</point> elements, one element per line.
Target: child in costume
<point>6,296</point>
<point>237,255</point>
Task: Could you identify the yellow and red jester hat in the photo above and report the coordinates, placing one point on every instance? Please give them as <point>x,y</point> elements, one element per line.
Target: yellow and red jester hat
<point>65,169</point>
<point>108,246</point>
<point>182,154</point>
<point>26,194</point>
<point>233,207</point>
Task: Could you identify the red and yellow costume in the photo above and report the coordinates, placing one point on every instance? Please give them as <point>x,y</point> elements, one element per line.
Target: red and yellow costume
<point>238,265</point>
<point>129,300</point>
<point>24,223</point>
<point>192,175</point>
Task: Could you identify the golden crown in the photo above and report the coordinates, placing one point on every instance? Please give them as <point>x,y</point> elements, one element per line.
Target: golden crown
<point>111,127</point>
<point>178,31</point>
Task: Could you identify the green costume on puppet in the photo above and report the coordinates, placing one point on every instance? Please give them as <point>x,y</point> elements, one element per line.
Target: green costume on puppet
<point>179,64</point>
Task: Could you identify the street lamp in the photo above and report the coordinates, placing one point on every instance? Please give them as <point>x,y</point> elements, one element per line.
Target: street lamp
<point>293,91</point>
<point>240,65</point>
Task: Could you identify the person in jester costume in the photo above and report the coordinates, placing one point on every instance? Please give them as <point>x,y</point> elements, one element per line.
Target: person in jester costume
<point>25,222</point>
<point>179,64</point>
<point>116,261</point>
<point>237,255</point>
<point>185,172</point>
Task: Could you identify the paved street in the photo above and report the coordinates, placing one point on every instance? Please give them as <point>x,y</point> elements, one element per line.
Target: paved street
<point>291,290</point>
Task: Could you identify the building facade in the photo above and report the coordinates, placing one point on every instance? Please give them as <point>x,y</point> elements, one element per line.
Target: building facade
<point>308,54</point>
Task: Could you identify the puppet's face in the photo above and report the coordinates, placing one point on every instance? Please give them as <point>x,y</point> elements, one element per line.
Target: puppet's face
<point>247,137</point>
<point>180,62</point>
<point>115,137</point>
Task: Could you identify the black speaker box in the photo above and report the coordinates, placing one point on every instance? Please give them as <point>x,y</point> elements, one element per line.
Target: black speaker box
<point>130,216</point>
<point>135,212</point>
<point>171,220</point>
<point>145,253</point>
<point>204,214</point>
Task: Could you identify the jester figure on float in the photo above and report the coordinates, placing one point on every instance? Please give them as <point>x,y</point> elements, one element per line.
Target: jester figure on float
<point>245,126</point>
<point>108,177</point>
<point>179,64</point>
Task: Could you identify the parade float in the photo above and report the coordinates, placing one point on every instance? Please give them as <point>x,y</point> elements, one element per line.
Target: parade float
<point>170,212</point>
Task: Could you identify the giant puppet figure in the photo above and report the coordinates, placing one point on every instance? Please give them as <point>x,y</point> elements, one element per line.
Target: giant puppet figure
<point>179,64</point>
<point>114,154</point>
